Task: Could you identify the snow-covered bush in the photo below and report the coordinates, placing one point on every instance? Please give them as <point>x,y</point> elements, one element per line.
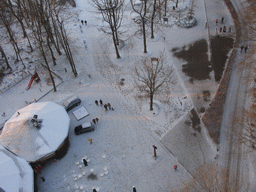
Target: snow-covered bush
<point>187,21</point>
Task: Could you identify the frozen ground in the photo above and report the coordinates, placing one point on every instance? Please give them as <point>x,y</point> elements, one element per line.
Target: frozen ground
<point>123,139</point>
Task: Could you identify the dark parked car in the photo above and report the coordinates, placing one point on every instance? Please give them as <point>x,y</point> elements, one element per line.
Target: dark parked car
<point>71,102</point>
<point>85,127</point>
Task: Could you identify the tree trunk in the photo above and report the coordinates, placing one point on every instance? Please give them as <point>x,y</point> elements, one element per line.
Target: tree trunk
<point>49,45</point>
<point>52,79</point>
<point>5,58</point>
<point>159,10</point>
<point>151,101</point>
<point>144,34</point>
<point>49,70</point>
<point>152,19</point>
<point>65,45</point>
<point>56,32</point>
<point>165,7</point>
<point>116,35</point>
<point>115,43</point>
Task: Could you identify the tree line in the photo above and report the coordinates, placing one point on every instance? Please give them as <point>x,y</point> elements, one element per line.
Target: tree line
<point>47,33</point>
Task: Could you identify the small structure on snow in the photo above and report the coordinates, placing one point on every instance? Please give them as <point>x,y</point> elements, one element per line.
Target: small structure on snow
<point>15,173</point>
<point>36,139</point>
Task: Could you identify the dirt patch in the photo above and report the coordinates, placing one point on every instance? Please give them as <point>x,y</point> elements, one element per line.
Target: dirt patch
<point>198,67</point>
<point>92,177</point>
<point>195,120</point>
<point>220,49</point>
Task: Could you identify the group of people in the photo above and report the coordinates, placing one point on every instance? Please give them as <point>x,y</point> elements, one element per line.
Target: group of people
<point>106,106</point>
<point>222,20</point>
<point>84,22</point>
<point>243,48</point>
<point>222,29</point>
<point>96,120</point>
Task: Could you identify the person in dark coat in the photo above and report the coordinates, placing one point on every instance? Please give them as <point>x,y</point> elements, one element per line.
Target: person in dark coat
<point>82,22</point>
<point>101,103</point>
<point>85,22</point>
<point>224,29</point>
<point>242,47</point>
<point>85,162</point>
<point>96,102</point>
<point>97,119</point>
<point>43,179</point>
<point>106,107</point>
<point>94,121</point>
<point>245,49</point>
<point>222,19</point>
<point>94,190</point>
<point>134,189</point>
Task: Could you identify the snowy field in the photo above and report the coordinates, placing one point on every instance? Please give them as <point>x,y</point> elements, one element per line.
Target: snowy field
<point>121,153</point>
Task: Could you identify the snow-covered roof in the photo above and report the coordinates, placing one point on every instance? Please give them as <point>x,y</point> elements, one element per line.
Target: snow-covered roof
<point>15,173</point>
<point>25,140</point>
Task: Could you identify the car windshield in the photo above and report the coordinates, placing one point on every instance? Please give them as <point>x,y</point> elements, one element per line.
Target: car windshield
<point>68,101</point>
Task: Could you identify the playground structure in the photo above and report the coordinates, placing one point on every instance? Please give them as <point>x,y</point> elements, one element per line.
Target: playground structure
<point>33,77</point>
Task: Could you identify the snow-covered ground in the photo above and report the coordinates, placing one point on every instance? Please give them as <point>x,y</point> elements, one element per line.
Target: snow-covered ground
<point>121,152</point>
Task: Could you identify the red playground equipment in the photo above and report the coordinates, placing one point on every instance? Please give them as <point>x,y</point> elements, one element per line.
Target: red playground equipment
<point>33,77</point>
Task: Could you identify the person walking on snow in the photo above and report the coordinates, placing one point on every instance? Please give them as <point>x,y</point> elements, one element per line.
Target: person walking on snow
<point>175,167</point>
<point>222,19</point>
<point>82,22</point>
<point>106,107</point>
<point>97,119</point>
<point>216,21</point>
<point>96,102</point>
<point>85,162</point>
<point>109,106</point>
<point>242,47</point>
<point>224,29</point>
<point>94,121</point>
<point>134,189</point>
<point>245,49</point>
<point>101,103</point>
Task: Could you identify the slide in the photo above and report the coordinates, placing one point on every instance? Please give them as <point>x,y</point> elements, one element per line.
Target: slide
<point>30,82</point>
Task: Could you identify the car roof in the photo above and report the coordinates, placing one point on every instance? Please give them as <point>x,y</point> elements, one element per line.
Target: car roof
<point>87,124</point>
<point>67,101</point>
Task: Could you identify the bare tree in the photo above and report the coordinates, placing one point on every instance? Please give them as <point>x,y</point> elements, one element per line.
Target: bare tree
<point>39,33</point>
<point>210,178</point>
<point>15,9</point>
<point>5,17</point>
<point>152,74</point>
<point>62,36</point>
<point>247,135</point>
<point>142,11</point>
<point>112,13</point>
